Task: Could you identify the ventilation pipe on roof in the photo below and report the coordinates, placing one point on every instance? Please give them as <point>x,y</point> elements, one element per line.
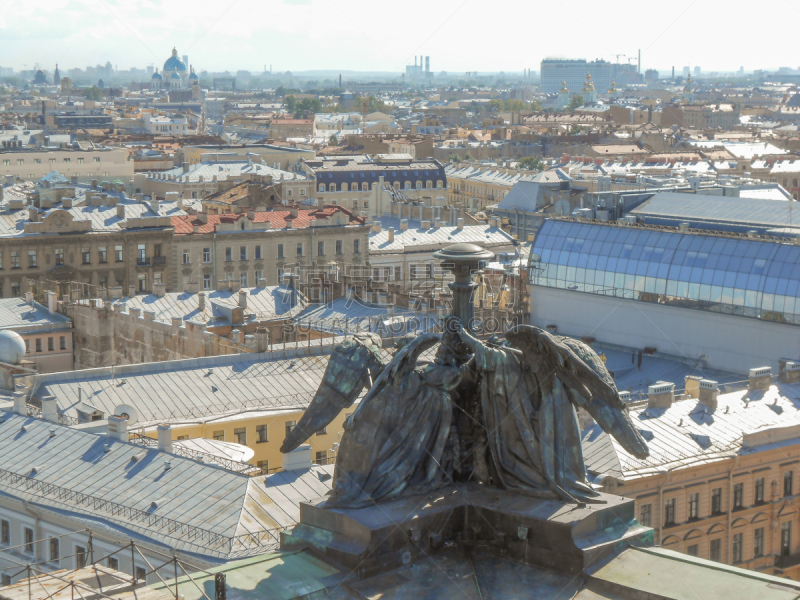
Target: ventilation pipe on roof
<point>709,390</point>
<point>52,302</point>
<point>660,395</point>
<point>118,428</point>
<point>20,403</point>
<point>201,301</point>
<point>50,409</point>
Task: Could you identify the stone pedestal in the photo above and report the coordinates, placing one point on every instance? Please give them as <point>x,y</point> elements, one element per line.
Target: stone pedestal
<point>544,533</point>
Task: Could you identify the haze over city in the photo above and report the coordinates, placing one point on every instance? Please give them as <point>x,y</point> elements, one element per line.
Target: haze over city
<point>302,35</point>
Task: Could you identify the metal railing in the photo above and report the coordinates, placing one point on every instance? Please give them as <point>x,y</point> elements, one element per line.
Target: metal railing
<point>239,545</point>
<point>203,457</point>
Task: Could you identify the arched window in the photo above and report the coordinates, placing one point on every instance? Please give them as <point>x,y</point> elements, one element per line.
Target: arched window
<point>419,185</point>
<point>397,185</point>
<point>321,187</point>
<point>429,185</point>
<point>364,186</point>
<point>408,185</point>
<point>438,184</point>
<point>332,187</point>
<point>344,187</point>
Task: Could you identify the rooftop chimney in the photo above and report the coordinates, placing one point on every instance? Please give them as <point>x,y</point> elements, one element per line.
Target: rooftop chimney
<point>201,301</point>
<point>20,403</point>
<point>50,409</point>
<point>709,390</point>
<point>165,437</point>
<point>403,224</point>
<point>788,371</point>
<point>660,395</point>
<point>159,289</point>
<point>760,378</point>
<point>297,459</point>
<point>460,223</point>
<point>243,298</point>
<point>52,302</point>
<point>118,428</point>
<point>390,231</point>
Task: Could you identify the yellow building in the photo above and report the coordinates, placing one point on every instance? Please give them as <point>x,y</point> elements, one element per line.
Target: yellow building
<point>723,478</point>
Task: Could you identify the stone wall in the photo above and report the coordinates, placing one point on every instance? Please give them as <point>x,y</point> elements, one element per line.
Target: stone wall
<point>104,336</point>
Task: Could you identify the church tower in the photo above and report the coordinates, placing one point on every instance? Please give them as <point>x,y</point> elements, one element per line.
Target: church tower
<point>563,95</point>
<point>588,92</point>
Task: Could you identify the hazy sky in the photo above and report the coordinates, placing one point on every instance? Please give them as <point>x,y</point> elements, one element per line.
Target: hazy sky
<point>365,35</point>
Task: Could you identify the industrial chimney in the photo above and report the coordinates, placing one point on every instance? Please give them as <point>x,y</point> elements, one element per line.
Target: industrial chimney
<point>427,64</point>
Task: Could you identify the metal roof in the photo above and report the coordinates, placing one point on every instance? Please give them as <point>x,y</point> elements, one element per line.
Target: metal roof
<point>418,239</point>
<point>19,315</point>
<point>720,209</point>
<point>182,503</point>
<point>687,434</point>
<point>193,389</point>
<point>352,315</point>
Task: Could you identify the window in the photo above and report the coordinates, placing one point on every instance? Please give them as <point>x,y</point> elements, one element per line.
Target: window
<point>323,431</point>
<point>242,252</point>
<point>27,347</point>
<point>219,435</point>
<point>15,290</point>
<point>143,283</point>
<point>156,250</point>
<point>228,254</point>
<point>262,433</point>
<point>102,254</point>
<point>80,160</point>
<point>786,538</point>
<point>186,259</point>
<point>38,344</point>
<point>5,532</point>
<point>6,162</point>
<point>1,260</point>
<point>206,282</point>
<point>112,563</point>
<point>263,465</point>
<point>645,512</point>
<point>80,557</point>
<point>299,248</point>
<point>51,344</point>
<point>716,501</point>
<point>338,246</point>
<point>289,426</point>
<point>758,542</point>
<point>59,253</point>
<point>14,259</point>
<point>96,159</point>
<point>32,258</point>
<point>258,253</point>
<point>715,550</point>
<point>86,256</point>
<point>356,246</point>
<point>738,495</point>
<point>118,253</point>
<point>206,255</point>
<point>669,512</point>
<point>28,538</point>
<point>321,458</point>
<point>243,279</point>
<point>692,550</point>
<point>54,550</point>
<point>62,342</point>
<point>787,483</point>
<point>694,506</point>
<point>66,160</point>
<point>182,437</point>
<point>141,574</point>
<point>736,550</point>
<point>259,276</point>
<point>320,248</point>
<point>280,250</point>
<point>240,434</point>
<point>759,491</point>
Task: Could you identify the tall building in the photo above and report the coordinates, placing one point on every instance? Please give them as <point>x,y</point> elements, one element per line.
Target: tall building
<point>556,72</point>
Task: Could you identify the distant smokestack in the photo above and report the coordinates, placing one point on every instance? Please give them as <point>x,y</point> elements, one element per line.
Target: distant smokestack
<point>340,80</point>
<point>415,60</point>
<point>427,64</point>
<point>673,71</point>
<point>639,67</point>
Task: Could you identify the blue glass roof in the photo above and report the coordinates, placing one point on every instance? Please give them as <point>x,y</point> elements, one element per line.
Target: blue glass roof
<point>721,274</point>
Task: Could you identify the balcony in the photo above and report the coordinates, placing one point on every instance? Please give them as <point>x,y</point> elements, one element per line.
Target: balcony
<point>787,560</point>
<point>159,260</point>
<point>142,262</point>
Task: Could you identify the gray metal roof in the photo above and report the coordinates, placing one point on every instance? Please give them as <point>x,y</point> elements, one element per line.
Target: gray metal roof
<point>352,315</point>
<point>720,209</point>
<point>185,504</point>
<point>686,435</point>
<point>19,315</point>
<point>182,390</point>
<point>419,239</point>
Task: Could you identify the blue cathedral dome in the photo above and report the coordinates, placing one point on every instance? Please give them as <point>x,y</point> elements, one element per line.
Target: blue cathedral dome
<point>156,75</point>
<point>174,63</point>
<point>193,75</point>
<point>174,76</point>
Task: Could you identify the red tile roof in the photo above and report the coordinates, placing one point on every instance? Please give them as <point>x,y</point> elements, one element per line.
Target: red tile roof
<point>184,225</point>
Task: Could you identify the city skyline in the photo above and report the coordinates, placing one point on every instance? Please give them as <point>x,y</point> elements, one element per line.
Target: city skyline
<point>306,35</point>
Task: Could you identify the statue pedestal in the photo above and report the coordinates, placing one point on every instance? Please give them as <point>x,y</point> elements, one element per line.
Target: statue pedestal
<point>545,533</point>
